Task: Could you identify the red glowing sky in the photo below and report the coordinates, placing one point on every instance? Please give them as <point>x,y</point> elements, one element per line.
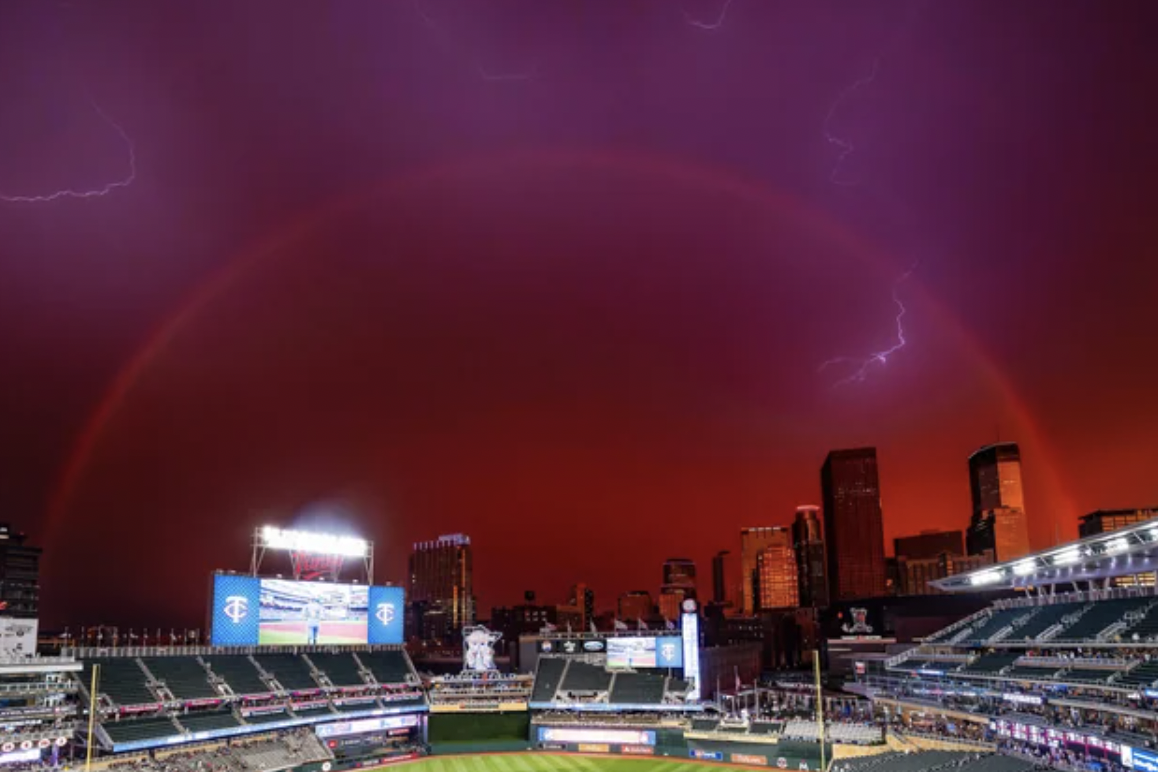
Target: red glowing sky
<point>589,357</point>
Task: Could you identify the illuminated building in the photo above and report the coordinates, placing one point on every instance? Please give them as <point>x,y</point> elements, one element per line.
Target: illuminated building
<point>914,574</point>
<point>998,522</point>
<point>441,576</point>
<point>1106,520</point>
<point>634,605</point>
<point>583,598</point>
<point>927,545</point>
<point>808,542</point>
<point>854,536</point>
<point>681,573</point>
<point>19,576</point>
<point>752,540</point>
<point>776,576</point>
<point>671,601</point>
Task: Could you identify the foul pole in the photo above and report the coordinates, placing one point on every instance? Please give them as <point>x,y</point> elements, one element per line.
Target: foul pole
<point>92,702</point>
<point>819,708</point>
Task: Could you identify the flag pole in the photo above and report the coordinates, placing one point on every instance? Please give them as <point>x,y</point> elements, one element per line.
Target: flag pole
<point>92,701</point>
<point>819,708</point>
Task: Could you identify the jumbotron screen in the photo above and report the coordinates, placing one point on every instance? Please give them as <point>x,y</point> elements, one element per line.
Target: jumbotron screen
<point>663,651</point>
<point>250,611</point>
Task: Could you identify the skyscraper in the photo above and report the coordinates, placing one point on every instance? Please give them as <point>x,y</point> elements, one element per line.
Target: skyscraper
<point>1107,520</point>
<point>680,572</point>
<point>998,522</point>
<point>635,605</point>
<point>19,578</point>
<point>776,585</point>
<point>720,577</point>
<point>441,576</point>
<point>583,599</point>
<point>853,524</point>
<point>808,541</point>
<point>752,540</point>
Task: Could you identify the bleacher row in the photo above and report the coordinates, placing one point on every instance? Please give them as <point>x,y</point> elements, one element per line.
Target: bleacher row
<point>561,679</point>
<point>1014,665</point>
<point>137,681</point>
<point>931,761</point>
<point>1119,619</point>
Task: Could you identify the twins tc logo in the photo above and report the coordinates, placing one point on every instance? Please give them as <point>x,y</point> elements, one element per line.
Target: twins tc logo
<point>667,652</point>
<point>236,608</point>
<point>384,613</point>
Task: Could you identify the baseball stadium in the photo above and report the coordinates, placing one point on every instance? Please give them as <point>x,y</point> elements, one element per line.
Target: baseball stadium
<point>312,676</point>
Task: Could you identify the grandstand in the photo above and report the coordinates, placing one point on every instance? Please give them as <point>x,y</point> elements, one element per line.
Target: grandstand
<point>579,681</point>
<point>1068,671</point>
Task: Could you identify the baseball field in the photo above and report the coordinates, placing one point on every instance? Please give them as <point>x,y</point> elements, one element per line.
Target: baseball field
<point>294,633</point>
<point>553,762</point>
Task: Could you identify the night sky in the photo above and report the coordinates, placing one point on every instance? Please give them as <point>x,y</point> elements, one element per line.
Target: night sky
<point>559,275</point>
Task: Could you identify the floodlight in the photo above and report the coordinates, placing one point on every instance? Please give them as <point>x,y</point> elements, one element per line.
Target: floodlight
<point>313,543</point>
<point>985,577</point>
<point>1025,567</point>
<point>1067,556</point>
<point>1120,544</point>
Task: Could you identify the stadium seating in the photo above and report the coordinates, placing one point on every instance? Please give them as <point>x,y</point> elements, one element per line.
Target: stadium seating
<point>1145,628</point>
<point>313,711</point>
<point>1099,616</point>
<point>289,670</point>
<point>387,667</point>
<point>1086,674</point>
<point>121,680</point>
<point>991,664</point>
<point>705,724</point>
<point>205,721</point>
<point>1030,672</point>
<point>238,671</point>
<point>1143,675</point>
<point>184,677</point>
<point>582,677</point>
<point>637,688</point>
<point>766,727</point>
<point>931,760</point>
<point>1042,620</point>
<point>266,718</point>
<point>547,678</point>
<point>341,668</point>
<point>355,707</point>
<point>997,622</point>
<point>140,729</point>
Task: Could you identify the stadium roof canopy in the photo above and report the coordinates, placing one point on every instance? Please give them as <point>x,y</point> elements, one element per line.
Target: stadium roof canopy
<point>1132,550</point>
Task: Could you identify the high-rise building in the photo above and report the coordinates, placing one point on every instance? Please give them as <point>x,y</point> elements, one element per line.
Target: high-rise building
<point>752,540</point>
<point>916,573</point>
<point>854,536</point>
<point>995,477</point>
<point>998,522</point>
<point>19,577</point>
<point>441,575</point>
<point>634,605</point>
<point>720,577</point>
<point>671,601</point>
<point>681,573</point>
<point>929,544</point>
<point>808,542</point>
<point>583,598</point>
<point>776,575</point>
<point>1107,520</point>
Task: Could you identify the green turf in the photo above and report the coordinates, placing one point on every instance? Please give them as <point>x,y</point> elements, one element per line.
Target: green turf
<point>543,762</point>
<point>297,638</point>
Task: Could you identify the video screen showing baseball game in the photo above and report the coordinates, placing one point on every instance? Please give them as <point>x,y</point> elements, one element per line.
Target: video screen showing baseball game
<point>253,611</point>
<point>312,613</point>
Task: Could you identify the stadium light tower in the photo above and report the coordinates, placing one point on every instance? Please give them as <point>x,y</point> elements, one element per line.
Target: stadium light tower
<point>314,556</point>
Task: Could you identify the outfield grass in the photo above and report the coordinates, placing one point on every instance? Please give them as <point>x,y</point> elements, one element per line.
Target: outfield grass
<point>550,762</point>
<point>294,633</point>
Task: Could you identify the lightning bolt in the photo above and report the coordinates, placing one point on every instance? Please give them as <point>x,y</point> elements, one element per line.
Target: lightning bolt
<point>710,26</point>
<point>846,147</point>
<point>861,366</point>
<point>444,41</point>
<point>102,191</point>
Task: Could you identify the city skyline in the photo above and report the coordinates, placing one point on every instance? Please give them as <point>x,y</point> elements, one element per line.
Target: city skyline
<point>608,314</point>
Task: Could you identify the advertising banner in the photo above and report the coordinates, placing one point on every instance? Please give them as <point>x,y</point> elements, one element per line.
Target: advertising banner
<point>557,734</point>
<point>18,637</point>
<point>594,748</point>
<point>750,760</point>
<point>665,651</point>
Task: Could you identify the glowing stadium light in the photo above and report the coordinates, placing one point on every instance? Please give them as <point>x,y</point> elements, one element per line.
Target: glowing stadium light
<point>1067,556</point>
<point>1154,534</point>
<point>985,577</point>
<point>1025,567</point>
<point>313,543</point>
<point>1114,546</point>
